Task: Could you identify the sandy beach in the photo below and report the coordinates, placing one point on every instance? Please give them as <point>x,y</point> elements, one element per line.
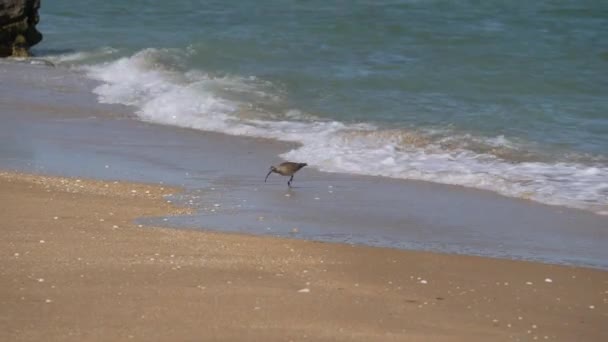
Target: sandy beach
<point>76,267</point>
<point>455,188</point>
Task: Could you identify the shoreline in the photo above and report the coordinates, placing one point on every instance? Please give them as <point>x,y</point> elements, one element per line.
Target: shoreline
<point>81,78</point>
<point>77,267</point>
<point>56,126</point>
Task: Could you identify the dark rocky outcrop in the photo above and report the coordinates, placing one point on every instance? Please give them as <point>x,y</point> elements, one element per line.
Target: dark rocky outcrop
<point>18,19</point>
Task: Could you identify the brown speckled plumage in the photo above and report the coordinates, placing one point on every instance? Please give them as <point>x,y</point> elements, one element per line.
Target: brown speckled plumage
<point>286,169</point>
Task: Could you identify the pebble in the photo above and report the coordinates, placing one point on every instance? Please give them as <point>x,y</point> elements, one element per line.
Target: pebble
<point>423,281</point>
<point>548,280</point>
<point>55,218</point>
<point>591,307</point>
<point>42,241</point>
<point>529,283</point>
<point>48,301</point>
<point>304,290</point>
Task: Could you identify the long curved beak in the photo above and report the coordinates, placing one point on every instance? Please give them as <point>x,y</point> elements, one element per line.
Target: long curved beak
<point>269,172</point>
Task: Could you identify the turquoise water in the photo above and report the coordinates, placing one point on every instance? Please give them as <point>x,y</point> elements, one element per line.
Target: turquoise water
<point>509,97</point>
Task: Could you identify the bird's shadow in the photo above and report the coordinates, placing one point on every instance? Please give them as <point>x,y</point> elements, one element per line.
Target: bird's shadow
<point>293,187</point>
<point>302,187</point>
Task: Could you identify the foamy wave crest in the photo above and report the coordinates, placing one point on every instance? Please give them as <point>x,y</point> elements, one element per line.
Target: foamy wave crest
<point>411,156</point>
<point>161,88</point>
<point>77,57</point>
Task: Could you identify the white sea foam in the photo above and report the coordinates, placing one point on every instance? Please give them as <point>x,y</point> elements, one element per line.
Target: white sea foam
<point>80,56</point>
<point>162,93</point>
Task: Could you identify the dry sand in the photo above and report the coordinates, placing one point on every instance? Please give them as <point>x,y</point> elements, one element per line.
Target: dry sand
<point>74,267</point>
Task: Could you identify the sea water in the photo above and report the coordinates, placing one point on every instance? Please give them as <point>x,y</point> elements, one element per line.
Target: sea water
<point>510,97</point>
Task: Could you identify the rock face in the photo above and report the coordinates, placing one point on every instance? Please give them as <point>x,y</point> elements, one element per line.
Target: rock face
<point>18,19</point>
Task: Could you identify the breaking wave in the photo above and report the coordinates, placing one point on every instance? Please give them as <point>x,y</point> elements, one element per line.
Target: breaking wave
<point>164,90</point>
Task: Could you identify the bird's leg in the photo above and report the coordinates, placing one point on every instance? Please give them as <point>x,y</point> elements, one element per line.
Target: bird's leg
<point>289,181</point>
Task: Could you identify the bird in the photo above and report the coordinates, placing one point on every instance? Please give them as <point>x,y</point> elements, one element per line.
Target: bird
<point>286,169</point>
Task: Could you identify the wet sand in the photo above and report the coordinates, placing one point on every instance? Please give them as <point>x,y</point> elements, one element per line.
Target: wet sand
<point>75,267</point>
<point>53,124</point>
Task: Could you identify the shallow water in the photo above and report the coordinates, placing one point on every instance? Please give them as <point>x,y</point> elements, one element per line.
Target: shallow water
<point>504,97</point>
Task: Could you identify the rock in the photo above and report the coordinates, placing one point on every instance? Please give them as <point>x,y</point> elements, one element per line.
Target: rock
<point>18,19</point>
